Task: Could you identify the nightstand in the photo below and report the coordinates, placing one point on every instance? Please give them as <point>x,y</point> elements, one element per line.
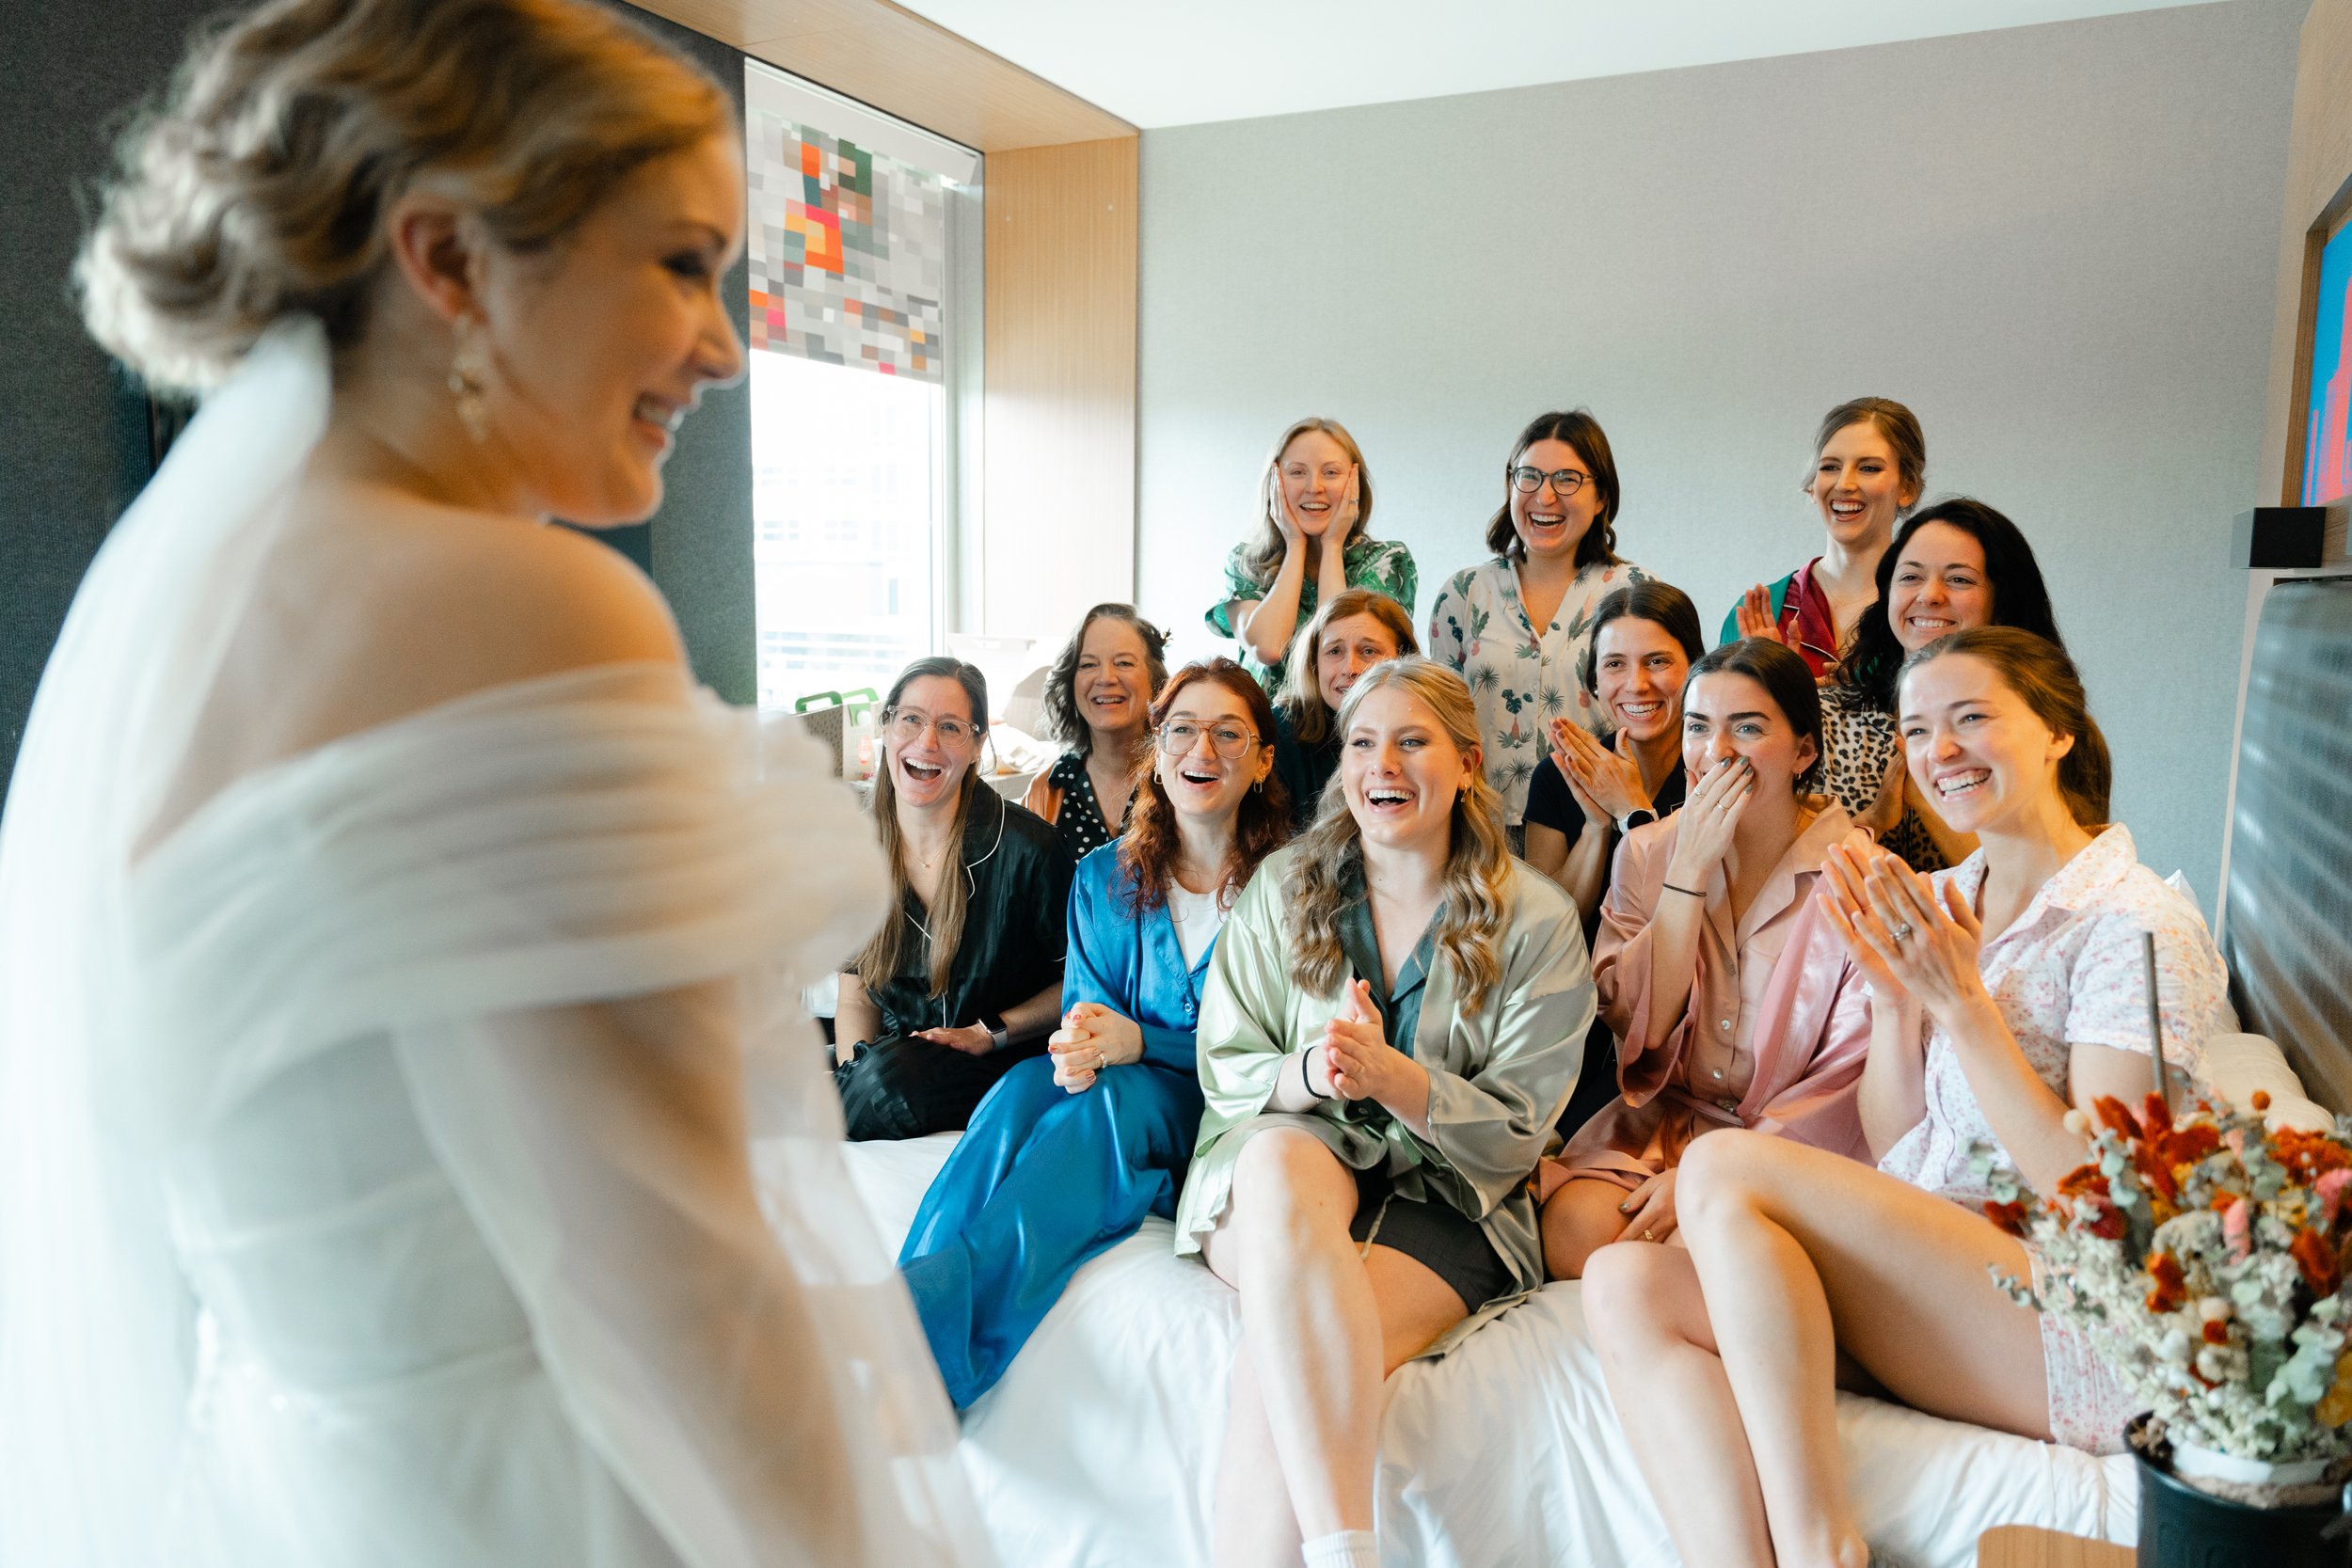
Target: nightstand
<point>2023,1546</point>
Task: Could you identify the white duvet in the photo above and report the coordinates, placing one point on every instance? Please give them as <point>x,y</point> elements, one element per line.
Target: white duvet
<point>1099,1447</point>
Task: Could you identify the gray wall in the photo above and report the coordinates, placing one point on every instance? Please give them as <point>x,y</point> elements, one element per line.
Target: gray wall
<point>2056,243</point>
<point>72,436</point>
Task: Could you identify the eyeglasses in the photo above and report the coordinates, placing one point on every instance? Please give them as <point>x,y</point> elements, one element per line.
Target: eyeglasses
<point>1178,738</point>
<point>907,726</point>
<point>1565,481</point>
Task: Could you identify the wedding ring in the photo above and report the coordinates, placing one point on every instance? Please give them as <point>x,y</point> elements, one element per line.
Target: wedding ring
<point>1649,1235</point>
<point>1902,931</point>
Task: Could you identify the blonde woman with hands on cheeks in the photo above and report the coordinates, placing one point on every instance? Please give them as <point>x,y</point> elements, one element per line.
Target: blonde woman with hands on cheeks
<point>1394,1017</point>
<point>2007,995</point>
<point>1311,545</point>
<point>1732,1001</point>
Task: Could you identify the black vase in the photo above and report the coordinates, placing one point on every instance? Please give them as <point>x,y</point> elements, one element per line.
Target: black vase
<point>2182,1528</point>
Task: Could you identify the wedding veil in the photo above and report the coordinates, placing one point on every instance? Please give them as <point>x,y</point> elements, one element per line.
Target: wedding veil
<point>98,1328</point>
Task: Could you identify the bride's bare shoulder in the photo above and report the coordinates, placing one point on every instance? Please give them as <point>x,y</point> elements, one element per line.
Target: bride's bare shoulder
<point>372,608</point>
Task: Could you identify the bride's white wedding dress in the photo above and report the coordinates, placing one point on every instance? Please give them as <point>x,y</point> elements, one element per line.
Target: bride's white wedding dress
<point>339,1227</point>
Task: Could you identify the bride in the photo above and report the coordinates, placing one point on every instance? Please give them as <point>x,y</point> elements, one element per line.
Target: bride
<point>397,950</point>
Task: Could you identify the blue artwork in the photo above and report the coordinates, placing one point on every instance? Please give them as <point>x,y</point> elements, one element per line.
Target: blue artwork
<point>2327,441</point>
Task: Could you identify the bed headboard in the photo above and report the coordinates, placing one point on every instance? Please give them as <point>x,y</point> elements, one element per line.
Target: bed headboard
<point>2287,929</point>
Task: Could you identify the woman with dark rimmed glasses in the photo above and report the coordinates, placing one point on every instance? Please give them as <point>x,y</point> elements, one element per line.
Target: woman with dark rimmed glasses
<point>1068,1154</point>
<point>963,979</point>
<point>1515,628</point>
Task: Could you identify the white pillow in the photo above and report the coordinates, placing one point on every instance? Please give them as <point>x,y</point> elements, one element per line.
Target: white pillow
<point>2238,1065</point>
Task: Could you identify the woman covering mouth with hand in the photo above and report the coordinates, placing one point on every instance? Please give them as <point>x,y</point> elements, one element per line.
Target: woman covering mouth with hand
<point>1391,1024</point>
<point>1732,1002</point>
<point>1068,1154</point>
<point>1870,467</point>
<point>1517,627</point>
<point>1098,703</point>
<point>1348,635</point>
<point>965,977</point>
<point>2008,997</point>
<point>1956,565</point>
<point>1311,544</point>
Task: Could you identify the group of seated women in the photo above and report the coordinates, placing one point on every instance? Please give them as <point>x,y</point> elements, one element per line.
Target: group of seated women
<point>1403,984</point>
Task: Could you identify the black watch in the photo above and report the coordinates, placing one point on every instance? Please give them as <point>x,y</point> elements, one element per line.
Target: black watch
<point>998,1035</point>
<point>1639,817</point>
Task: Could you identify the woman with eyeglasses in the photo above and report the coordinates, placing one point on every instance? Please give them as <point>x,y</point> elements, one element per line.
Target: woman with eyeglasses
<point>963,980</point>
<point>1067,1154</point>
<point>1870,467</point>
<point>1517,627</point>
<point>1098,703</point>
<point>1311,543</point>
<point>1393,1021</point>
<point>1348,635</point>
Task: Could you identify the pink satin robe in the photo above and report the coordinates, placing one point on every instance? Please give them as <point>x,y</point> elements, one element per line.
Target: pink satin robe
<point>1796,1066</point>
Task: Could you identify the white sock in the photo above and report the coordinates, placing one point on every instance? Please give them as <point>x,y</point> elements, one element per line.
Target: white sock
<point>1346,1548</point>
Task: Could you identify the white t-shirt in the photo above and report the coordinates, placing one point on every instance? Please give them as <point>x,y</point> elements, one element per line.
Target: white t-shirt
<point>1197,919</point>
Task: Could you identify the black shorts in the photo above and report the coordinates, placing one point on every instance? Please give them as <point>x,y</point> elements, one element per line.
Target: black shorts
<point>1435,1234</point>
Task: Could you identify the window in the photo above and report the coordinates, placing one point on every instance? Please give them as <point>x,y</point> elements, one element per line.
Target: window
<point>855,321</point>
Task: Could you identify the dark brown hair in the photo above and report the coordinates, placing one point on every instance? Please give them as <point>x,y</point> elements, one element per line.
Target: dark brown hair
<point>878,964</point>
<point>2020,597</point>
<point>2047,682</point>
<point>1662,603</point>
<point>1063,721</point>
<point>1578,428</point>
<point>1150,849</point>
<point>1786,679</point>
<point>1890,419</point>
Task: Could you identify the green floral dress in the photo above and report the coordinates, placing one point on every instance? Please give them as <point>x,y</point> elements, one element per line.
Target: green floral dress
<point>1382,565</point>
<point>1521,681</point>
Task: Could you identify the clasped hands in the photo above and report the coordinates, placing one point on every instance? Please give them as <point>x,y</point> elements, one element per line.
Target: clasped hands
<point>1090,1039</point>
<point>1902,933</point>
<point>1607,783</point>
<point>1355,1060</point>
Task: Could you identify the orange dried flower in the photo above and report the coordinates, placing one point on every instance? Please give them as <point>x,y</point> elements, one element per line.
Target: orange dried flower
<point>2083,1182</point>
<point>2217,1333</point>
<point>2260,1100</point>
<point>2309,1155</point>
<point>2117,1116</point>
<point>2009,1216</point>
<point>2155,1115</point>
<point>2171,1290</point>
<point>2185,1146</point>
<point>2312,1255</point>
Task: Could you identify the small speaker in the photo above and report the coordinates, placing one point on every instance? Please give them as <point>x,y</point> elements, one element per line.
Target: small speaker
<point>2279,538</point>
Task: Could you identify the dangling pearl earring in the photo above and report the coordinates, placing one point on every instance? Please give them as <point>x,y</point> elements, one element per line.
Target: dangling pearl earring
<point>468,367</point>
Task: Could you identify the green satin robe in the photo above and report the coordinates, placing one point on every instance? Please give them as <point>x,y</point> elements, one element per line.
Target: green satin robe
<point>1497,1077</point>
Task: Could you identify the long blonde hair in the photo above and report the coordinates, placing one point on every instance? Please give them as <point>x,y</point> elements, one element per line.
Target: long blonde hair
<point>1265,557</point>
<point>1326,873</point>
<point>878,964</point>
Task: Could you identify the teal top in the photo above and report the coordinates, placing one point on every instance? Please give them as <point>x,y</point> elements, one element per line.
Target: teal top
<point>1400,1013</point>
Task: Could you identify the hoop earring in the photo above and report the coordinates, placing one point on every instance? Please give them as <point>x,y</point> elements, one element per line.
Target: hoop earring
<point>468,367</point>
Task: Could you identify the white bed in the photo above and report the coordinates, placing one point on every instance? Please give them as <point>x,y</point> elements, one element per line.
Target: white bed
<point>1098,1448</point>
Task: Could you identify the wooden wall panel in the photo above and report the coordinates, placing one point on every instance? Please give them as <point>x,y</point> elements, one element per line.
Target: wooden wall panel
<point>2319,184</point>
<point>888,56</point>
<point>1059,400</point>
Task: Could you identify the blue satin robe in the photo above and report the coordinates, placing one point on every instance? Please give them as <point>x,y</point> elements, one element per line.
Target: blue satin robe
<point>1044,1180</point>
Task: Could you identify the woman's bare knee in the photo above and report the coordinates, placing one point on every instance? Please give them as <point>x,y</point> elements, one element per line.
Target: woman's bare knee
<point>1290,1188</point>
<point>1637,1296</point>
<point>1722,1174</point>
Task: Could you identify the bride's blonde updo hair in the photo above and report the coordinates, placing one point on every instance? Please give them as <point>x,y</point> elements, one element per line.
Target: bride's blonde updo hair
<point>258,188</point>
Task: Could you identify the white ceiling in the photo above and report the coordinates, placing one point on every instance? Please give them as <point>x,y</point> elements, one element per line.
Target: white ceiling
<point>1179,62</point>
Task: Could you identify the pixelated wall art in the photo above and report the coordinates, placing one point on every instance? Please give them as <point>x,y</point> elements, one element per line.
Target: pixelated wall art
<point>848,249</point>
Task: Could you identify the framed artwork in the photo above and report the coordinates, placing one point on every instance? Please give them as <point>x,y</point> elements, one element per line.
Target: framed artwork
<point>2327,399</point>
